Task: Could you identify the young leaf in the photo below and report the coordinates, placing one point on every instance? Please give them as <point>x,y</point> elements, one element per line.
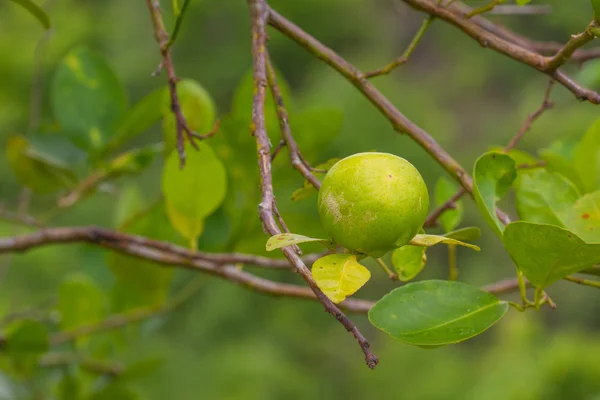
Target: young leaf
<point>35,10</point>
<point>432,240</point>
<point>467,234</point>
<point>141,117</point>
<point>38,171</point>
<point>435,312</point>
<point>197,107</point>
<point>87,99</point>
<point>409,261</point>
<point>444,190</point>
<point>493,175</point>
<point>339,275</point>
<point>587,158</point>
<point>26,341</point>
<point>547,253</point>
<point>80,302</point>
<point>544,197</point>
<point>288,239</point>
<point>195,192</point>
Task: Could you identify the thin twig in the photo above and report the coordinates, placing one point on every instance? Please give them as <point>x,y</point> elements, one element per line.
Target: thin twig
<point>296,158</point>
<point>162,37</point>
<point>584,282</point>
<point>450,204</point>
<point>577,41</point>
<point>531,118</point>
<point>259,13</point>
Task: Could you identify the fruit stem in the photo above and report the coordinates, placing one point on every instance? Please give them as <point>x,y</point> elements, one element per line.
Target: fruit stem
<point>392,275</point>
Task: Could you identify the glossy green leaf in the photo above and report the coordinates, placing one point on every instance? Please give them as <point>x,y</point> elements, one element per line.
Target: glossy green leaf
<point>339,275</point>
<point>544,197</point>
<point>288,239</point>
<point>493,175</point>
<point>194,192</point>
<point>40,172</point>
<point>548,253</point>
<point>432,240</point>
<point>140,282</point>
<point>409,261</point>
<point>587,158</point>
<point>87,99</point>
<point>467,234</point>
<point>141,117</point>
<point>432,313</point>
<point>585,217</point>
<point>26,341</point>
<point>197,106</point>
<point>36,11</point>
<point>521,157</point>
<point>80,302</point>
<point>444,190</point>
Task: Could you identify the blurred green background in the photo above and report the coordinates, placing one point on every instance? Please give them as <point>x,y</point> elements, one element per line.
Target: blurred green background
<point>227,342</point>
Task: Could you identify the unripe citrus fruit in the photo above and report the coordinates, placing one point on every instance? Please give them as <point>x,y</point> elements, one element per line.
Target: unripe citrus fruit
<point>373,202</point>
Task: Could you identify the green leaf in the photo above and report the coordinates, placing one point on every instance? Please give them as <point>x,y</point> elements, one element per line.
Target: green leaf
<point>587,158</point>
<point>133,161</point>
<point>444,190</point>
<point>116,390</point>
<point>140,282</point>
<point>141,117</point>
<point>431,313</point>
<point>36,11</point>
<point>308,189</point>
<point>26,341</point>
<point>432,240</point>
<point>409,261</point>
<point>80,302</point>
<point>467,234</point>
<point>288,239</point>
<point>197,106</point>
<point>596,7</point>
<point>493,175</point>
<point>87,99</point>
<point>130,202</point>
<point>559,159</point>
<point>195,192</point>
<point>547,253</point>
<point>339,275</point>
<point>585,217</point>
<point>39,172</point>
<point>544,197</point>
<point>521,157</point>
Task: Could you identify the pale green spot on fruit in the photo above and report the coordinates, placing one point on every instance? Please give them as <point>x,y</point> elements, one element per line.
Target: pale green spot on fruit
<point>372,203</point>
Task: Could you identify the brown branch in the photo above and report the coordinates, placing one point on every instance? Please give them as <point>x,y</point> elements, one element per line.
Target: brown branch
<point>531,118</point>
<point>284,124</point>
<point>259,13</point>
<point>455,15</point>
<point>432,219</point>
<point>162,38</point>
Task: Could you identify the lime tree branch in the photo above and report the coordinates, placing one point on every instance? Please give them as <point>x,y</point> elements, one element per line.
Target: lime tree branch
<point>456,15</point>
<point>259,13</point>
<point>162,37</point>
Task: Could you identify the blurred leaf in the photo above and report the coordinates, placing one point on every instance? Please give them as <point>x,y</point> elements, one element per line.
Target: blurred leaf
<point>133,161</point>
<point>493,175</point>
<point>141,117</point>
<point>596,7</point>
<point>587,158</point>
<point>241,106</point>
<point>544,197</point>
<point>288,239</point>
<point>444,190</point>
<point>409,261</point>
<point>26,341</point>
<point>116,390</point>
<point>130,202</point>
<point>141,282</point>
<point>467,234</point>
<point>432,240</point>
<point>339,276</point>
<point>195,192</point>
<point>39,172</point>
<point>316,128</point>
<point>431,313</point>
<point>547,253</point>
<point>308,189</point>
<point>69,386</point>
<point>87,99</point>
<point>36,11</point>
<point>80,302</point>
<point>559,159</point>
<point>141,368</point>
<point>197,106</point>
<point>584,218</point>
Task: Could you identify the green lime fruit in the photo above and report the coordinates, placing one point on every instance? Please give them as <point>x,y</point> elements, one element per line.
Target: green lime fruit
<point>372,203</point>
